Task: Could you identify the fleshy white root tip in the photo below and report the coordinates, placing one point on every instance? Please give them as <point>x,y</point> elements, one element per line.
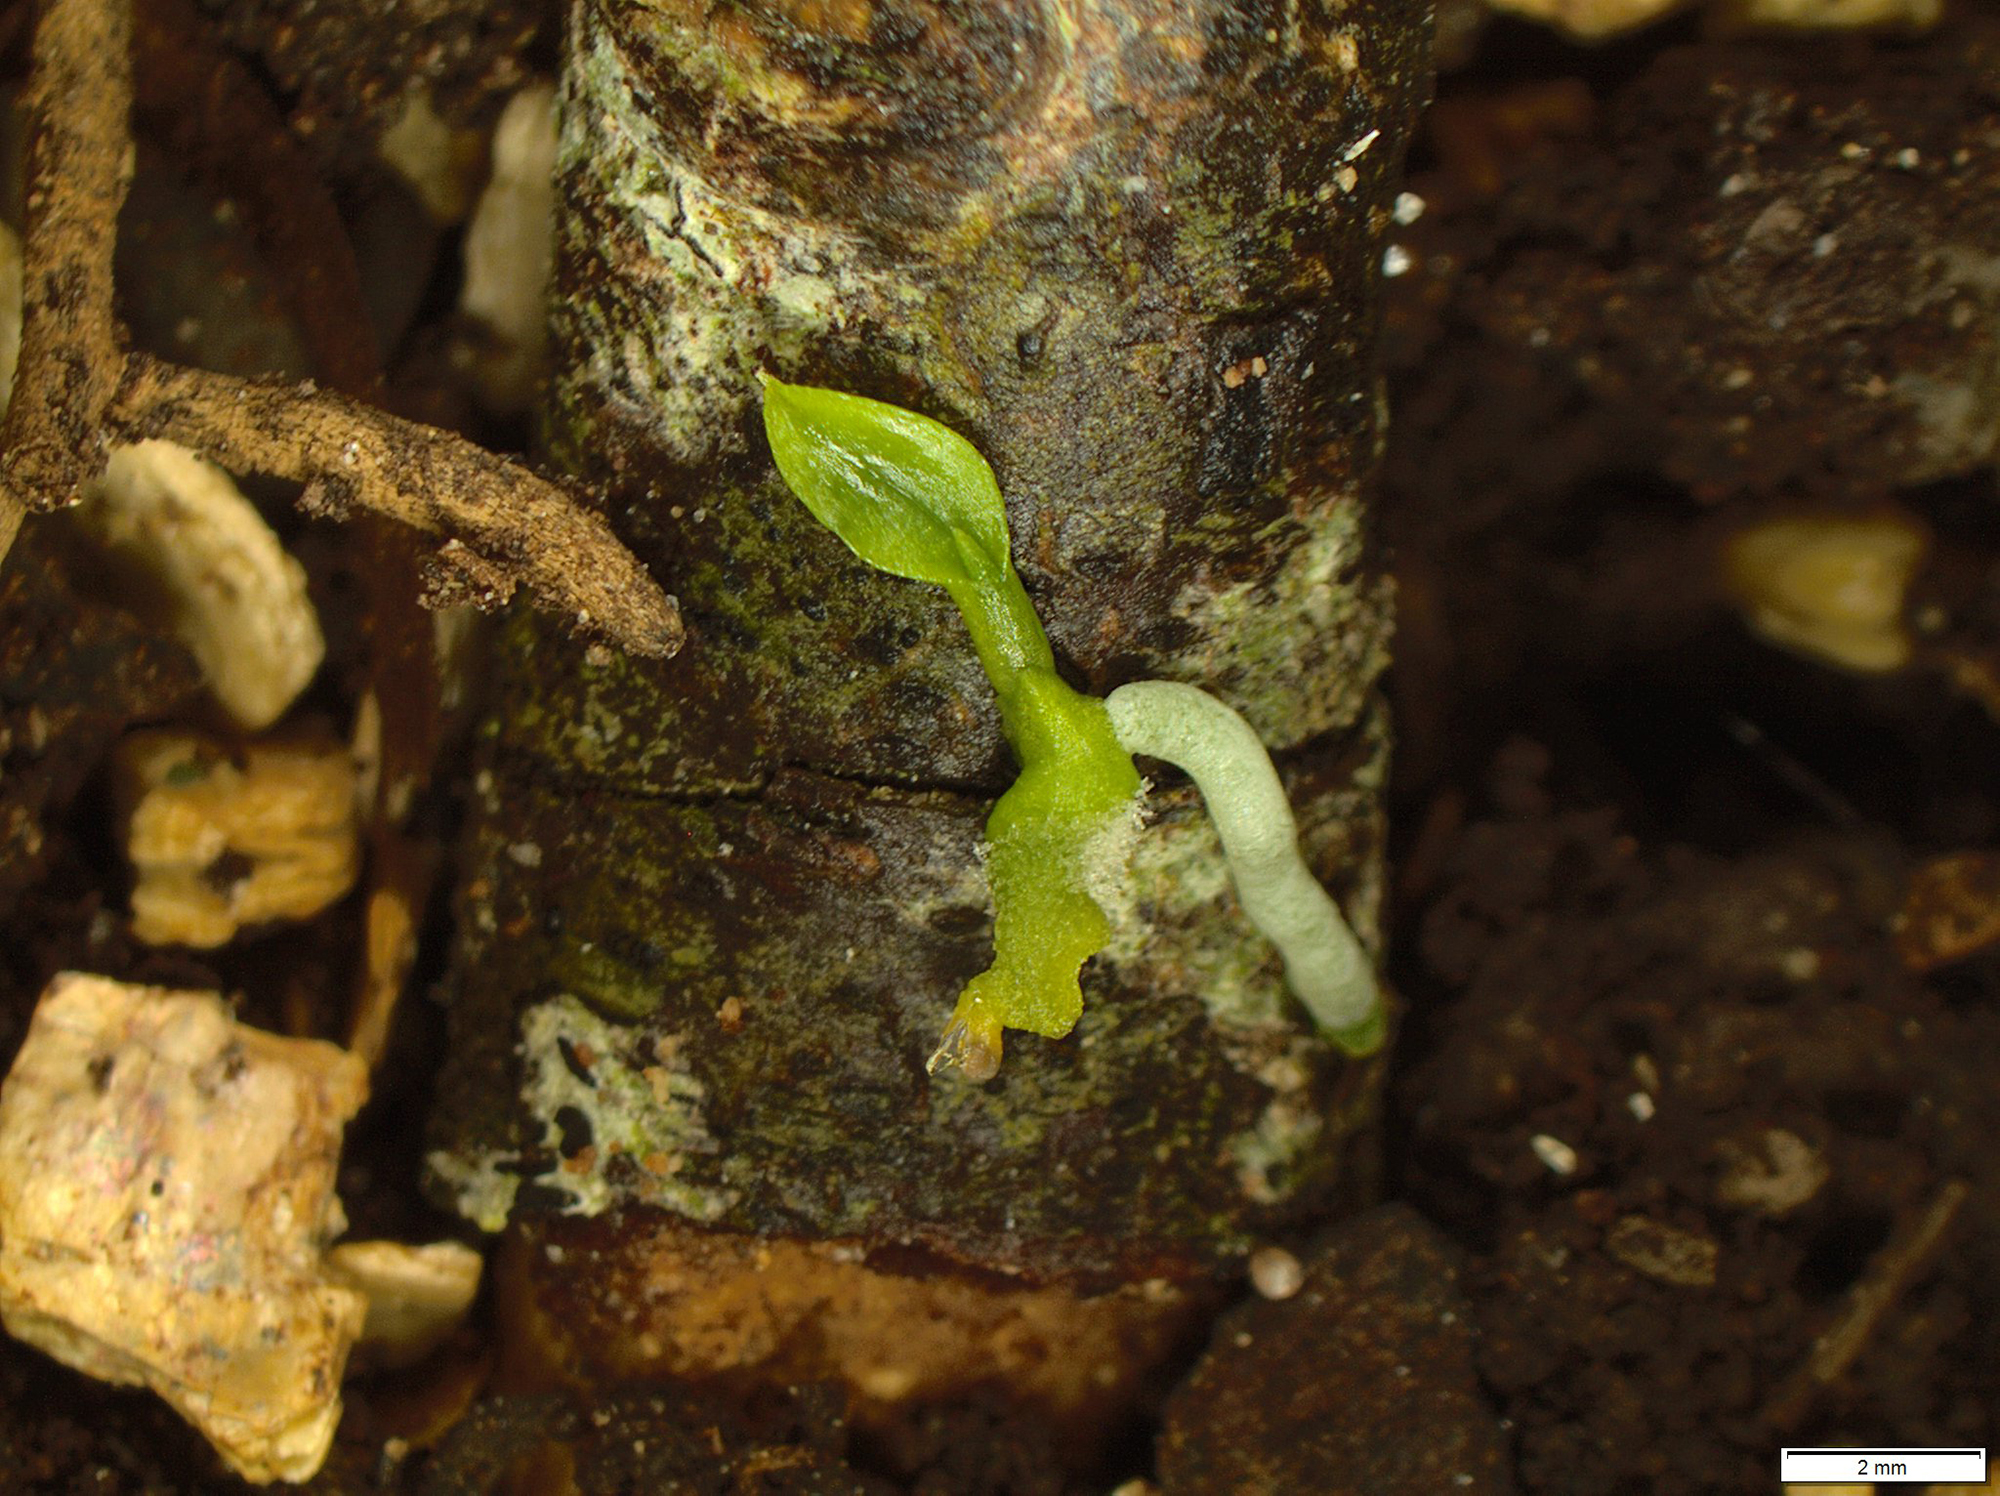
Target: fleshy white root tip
<point>1325,965</point>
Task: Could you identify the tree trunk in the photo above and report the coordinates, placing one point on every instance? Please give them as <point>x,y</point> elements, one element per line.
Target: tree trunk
<point>717,909</point>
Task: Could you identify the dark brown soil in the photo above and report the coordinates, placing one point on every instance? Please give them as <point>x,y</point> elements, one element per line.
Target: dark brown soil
<point>1652,870</point>
<point>1760,1098</point>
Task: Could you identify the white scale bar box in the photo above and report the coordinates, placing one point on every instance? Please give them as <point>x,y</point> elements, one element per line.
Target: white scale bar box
<point>1882,1466</point>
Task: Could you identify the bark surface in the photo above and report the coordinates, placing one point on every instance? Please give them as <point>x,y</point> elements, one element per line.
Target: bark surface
<point>717,908</point>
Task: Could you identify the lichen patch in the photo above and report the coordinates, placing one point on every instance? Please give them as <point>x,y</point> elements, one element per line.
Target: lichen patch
<point>619,1113</point>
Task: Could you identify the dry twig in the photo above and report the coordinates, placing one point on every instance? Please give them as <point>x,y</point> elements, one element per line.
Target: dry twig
<point>75,390</point>
<point>504,523</point>
<point>1890,1274</point>
<point>79,165</point>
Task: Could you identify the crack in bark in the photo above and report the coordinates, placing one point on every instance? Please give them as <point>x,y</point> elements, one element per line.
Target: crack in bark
<point>678,230</point>
<point>535,772</point>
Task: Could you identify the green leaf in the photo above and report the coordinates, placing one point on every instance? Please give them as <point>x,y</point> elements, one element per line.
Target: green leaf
<point>908,495</point>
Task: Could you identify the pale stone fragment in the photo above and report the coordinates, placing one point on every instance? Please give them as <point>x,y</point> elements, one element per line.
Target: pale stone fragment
<point>166,1190</point>
<point>1276,1273</point>
<point>416,1295</point>
<point>1838,14</point>
<point>234,596</point>
<point>1829,586</point>
<point>440,162</point>
<point>1773,1174</point>
<point>1596,20</point>
<point>510,250</point>
<point>1590,20</point>
<point>1557,1155</point>
<point>390,949</point>
<point>221,842</point>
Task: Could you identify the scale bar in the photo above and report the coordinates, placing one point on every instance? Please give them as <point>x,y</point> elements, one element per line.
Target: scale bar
<point>1826,1466</point>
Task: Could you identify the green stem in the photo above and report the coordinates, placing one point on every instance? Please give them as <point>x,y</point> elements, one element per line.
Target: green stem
<point>1006,635</point>
<point>1054,828</point>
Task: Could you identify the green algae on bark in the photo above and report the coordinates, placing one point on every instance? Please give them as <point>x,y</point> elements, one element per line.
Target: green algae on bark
<point>851,916</point>
<point>1129,249</point>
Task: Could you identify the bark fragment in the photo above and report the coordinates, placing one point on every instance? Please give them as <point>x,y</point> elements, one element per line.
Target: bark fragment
<point>679,1303</point>
<point>1130,253</point>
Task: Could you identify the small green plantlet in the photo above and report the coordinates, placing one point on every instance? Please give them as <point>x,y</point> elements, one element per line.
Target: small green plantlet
<point>913,498</point>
